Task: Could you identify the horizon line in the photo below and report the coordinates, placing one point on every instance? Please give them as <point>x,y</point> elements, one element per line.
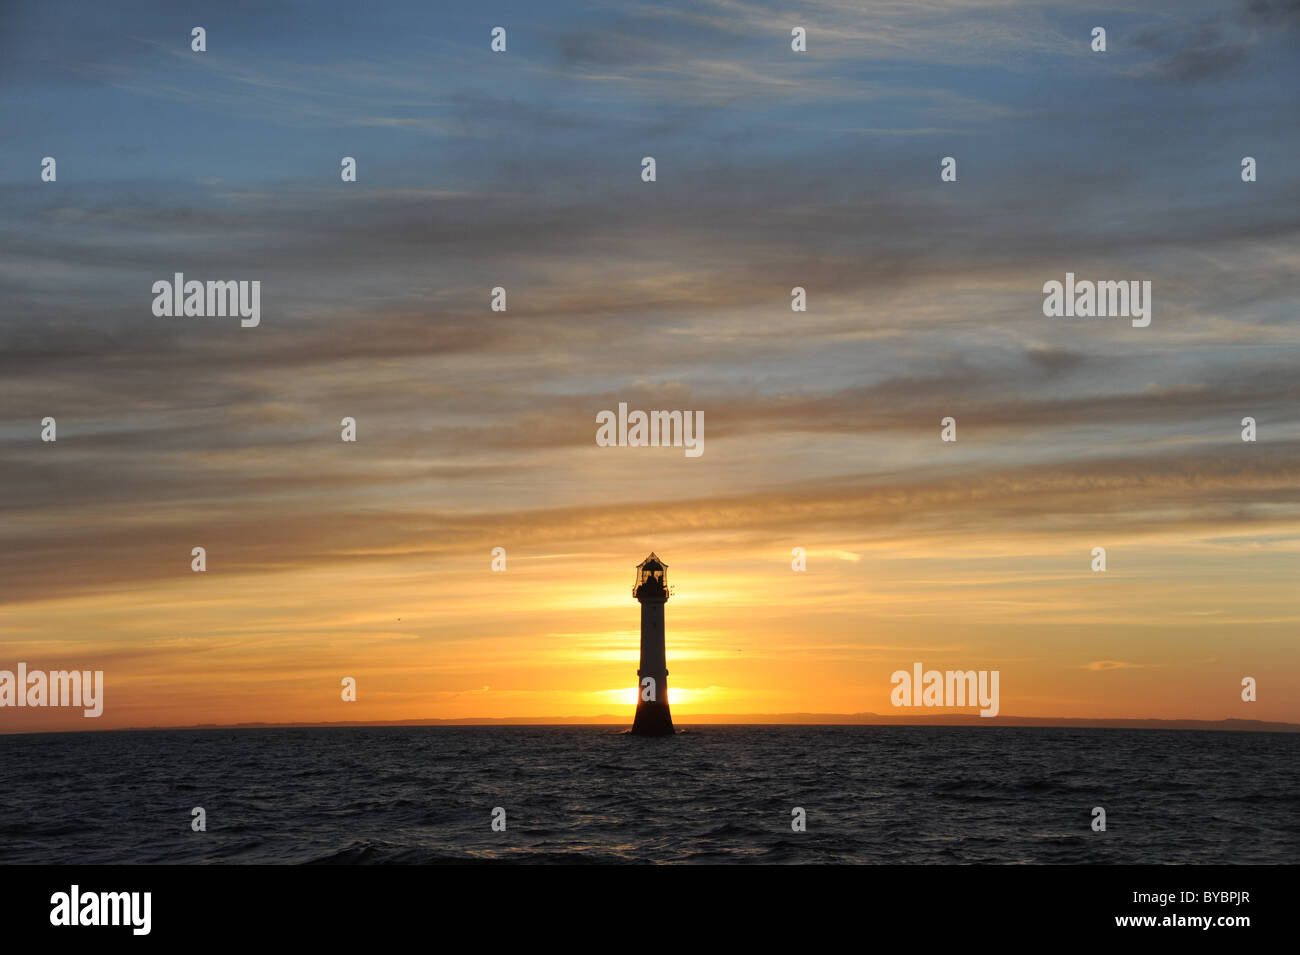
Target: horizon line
<point>1230,724</point>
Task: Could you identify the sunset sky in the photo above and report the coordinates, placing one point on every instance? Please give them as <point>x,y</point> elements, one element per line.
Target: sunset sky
<point>476,429</point>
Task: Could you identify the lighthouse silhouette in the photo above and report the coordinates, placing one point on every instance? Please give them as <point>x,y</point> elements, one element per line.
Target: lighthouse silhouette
<point>651,588</point>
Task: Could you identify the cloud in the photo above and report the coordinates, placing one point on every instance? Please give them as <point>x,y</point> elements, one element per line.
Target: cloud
<point>925,301</point>
<point>1214,45</point>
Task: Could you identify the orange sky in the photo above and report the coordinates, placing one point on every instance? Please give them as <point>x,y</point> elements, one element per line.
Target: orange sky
<point>556,634</point>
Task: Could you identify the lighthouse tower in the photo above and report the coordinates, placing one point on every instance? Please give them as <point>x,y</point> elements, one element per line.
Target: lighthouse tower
<point>652,716</point>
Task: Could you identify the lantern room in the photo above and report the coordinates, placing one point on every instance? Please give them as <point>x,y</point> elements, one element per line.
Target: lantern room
<point>652,575</point>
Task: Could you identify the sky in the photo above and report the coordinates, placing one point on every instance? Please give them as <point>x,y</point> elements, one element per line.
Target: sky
<point>476,429</point>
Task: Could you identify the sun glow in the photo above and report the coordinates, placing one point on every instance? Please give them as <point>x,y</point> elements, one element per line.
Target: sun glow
<point>677,695</point>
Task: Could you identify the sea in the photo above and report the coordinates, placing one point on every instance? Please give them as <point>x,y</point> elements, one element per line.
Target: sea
<point>593,794</point>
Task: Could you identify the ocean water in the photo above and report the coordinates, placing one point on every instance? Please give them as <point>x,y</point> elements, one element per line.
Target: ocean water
<point>593,794</point>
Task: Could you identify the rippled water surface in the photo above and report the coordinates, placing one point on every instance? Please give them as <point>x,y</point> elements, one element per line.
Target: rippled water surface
<point>713,794</point>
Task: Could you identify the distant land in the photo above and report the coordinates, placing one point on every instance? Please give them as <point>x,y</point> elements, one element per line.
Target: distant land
<point>769,719</point>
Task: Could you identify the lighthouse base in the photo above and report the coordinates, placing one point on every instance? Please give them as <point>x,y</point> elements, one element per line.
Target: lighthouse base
<point>652,719</point>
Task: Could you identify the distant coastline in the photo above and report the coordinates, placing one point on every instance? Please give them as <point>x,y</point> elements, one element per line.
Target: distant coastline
<point>750,719</point>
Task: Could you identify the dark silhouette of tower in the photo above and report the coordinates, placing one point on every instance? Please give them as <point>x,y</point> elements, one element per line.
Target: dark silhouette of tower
<point>652,716</point>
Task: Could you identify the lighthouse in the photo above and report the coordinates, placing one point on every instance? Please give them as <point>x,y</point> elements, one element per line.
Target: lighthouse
<point>651,589</point>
